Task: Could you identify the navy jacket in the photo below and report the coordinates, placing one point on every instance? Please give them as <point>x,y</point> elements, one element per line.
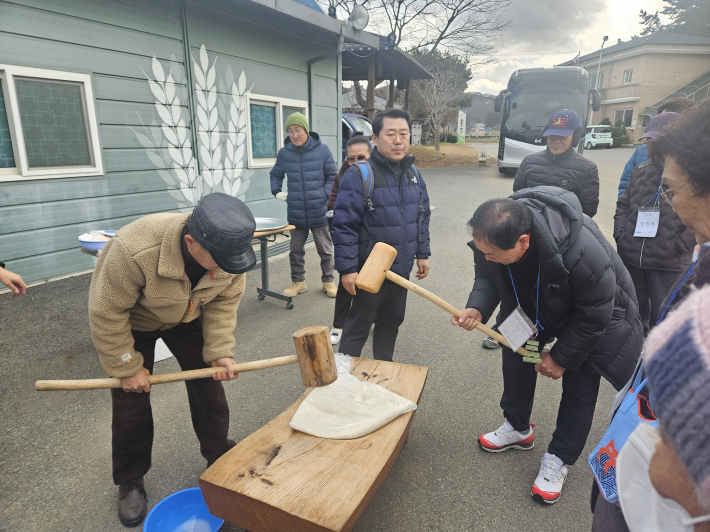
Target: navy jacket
<point>587,299</point>
<point>309,171</point>
<point>393,220</point>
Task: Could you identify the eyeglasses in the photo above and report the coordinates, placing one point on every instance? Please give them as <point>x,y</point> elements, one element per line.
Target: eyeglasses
<point>351,158</point>
<point>668,193</point>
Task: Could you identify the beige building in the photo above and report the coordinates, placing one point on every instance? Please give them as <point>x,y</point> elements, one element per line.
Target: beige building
<point>638,75</point>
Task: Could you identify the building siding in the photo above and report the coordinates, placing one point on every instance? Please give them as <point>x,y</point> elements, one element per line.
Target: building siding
<point>122,45</point>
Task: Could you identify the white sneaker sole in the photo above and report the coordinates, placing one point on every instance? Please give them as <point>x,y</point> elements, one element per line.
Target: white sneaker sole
<point>334,341</point>
<point>524,447</point>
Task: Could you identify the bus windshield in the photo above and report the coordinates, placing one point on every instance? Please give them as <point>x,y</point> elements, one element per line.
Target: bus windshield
<point>530,107</point>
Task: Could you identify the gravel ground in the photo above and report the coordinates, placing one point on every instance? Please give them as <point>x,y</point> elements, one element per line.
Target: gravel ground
<point>55,465</point>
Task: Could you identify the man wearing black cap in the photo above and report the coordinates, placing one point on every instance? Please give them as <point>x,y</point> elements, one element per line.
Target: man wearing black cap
<point>178,277</point>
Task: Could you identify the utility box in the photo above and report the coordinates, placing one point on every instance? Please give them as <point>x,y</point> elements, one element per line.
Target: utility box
<point>482,159</point>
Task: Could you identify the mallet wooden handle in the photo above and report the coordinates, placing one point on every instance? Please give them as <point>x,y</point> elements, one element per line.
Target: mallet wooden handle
<point>401,281</point>
<point>93,384</point>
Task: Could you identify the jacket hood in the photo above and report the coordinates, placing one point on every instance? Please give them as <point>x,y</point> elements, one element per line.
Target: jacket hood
<point>557,218</point>
<point>312,142</point>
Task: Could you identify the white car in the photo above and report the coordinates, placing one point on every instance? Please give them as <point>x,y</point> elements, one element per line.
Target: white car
<point>598,136</point>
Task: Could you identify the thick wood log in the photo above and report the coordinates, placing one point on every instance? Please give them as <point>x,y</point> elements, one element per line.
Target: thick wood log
<point>278,479</point>
<point>315,356</point>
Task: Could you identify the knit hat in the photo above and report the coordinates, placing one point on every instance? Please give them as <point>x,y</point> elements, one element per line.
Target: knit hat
<point>297,119</point>
<point>678,364</point>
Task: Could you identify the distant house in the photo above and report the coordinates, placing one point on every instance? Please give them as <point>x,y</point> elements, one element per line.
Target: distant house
<point>637,75</point>
<point>112,110</point>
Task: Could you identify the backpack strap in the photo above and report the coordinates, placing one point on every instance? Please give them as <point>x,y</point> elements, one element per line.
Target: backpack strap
<point>420,215</point>
<point>368,183</point>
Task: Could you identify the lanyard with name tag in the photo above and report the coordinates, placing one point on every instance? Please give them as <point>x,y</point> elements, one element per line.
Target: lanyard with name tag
<point>517,328</point>
<point>647,222</point>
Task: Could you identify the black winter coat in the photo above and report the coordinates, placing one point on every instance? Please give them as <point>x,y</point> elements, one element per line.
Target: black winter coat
<point>569,170</point>
<point>672,247</point>
<point>587,298</point>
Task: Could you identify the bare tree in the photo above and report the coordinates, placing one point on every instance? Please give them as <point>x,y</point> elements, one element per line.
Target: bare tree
<point>441,96</point>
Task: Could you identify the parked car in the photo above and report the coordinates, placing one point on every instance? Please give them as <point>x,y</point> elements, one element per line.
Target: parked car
<point>598,136</point>
<point>355,124</point>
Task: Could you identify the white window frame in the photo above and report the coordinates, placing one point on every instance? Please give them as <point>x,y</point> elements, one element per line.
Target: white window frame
<point>22,171</point>
<point>596,84</point>
<point>279,103</point>
<point>628,76</point>
<point>624,112</point>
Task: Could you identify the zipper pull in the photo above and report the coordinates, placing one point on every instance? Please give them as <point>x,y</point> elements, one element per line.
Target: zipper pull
<point>192,307</point>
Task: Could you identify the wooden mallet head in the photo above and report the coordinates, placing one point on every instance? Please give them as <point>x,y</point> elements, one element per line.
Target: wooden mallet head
<point>372,274</point>
<point>315,356</point>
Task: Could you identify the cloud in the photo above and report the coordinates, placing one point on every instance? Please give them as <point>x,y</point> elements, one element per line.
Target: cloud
<point>486,86</point>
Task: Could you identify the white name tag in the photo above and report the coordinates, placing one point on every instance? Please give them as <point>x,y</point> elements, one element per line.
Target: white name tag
<point>647,222</point>
<point>517,329</point>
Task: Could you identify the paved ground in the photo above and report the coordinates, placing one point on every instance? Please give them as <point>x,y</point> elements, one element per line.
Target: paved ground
<point>55,446</point>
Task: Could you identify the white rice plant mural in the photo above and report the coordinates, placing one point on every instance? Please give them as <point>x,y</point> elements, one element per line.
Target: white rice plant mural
<point>221,126</point>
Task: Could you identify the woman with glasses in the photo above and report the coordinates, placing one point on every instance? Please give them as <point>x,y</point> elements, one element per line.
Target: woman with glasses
<point>650,238</point>
<point>357,149</point>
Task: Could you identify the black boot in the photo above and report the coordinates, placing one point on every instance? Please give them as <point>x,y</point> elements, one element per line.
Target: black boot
<point>132,502</point>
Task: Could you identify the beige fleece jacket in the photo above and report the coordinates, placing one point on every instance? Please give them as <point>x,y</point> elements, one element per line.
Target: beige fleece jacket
<point>139,283</point>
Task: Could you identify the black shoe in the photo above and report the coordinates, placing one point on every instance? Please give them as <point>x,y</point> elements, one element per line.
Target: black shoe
<point>132,502</point>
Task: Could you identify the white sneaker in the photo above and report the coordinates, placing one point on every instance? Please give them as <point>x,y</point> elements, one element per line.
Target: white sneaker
<point>548,484</point>
<point>507,438</point>
<point>335,335</point>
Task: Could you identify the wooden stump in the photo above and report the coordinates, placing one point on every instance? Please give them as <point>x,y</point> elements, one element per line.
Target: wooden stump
<point>279,480</point>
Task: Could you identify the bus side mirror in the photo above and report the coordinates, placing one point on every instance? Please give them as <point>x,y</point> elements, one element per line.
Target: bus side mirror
<point>596,99</point>
<point>499,103</point>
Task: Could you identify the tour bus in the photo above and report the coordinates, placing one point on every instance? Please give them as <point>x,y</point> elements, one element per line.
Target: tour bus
<point>533,94</point>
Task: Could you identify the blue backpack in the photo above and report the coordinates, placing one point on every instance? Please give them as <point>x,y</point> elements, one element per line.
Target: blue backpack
<point>368,186</point>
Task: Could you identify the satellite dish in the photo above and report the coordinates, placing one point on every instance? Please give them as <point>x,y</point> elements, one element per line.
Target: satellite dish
<point>359,18</point>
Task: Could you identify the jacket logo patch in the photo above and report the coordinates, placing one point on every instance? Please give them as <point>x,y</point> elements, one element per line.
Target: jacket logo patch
<point>563,182</point>
<point>126,358</point>
<point>553,285</point>
<point>559,121</point>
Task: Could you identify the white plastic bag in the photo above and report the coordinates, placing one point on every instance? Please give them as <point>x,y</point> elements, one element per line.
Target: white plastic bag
<point>349,408</point>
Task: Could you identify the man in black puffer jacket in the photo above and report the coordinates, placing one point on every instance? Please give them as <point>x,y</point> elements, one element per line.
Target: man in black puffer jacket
<point>560,165</point>
<point>653,263</point>
<point>538,251</point>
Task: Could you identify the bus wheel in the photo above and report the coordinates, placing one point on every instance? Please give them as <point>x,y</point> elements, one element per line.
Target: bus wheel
<point>589,145</point>
<point>502,170</point>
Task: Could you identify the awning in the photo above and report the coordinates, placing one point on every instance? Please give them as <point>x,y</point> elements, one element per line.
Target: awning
<point>390,62</point>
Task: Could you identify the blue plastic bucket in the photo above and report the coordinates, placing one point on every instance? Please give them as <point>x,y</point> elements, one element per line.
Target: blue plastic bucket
<point>184,511</point>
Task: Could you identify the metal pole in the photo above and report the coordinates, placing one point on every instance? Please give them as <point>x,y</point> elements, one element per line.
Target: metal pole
<point>596,81</point>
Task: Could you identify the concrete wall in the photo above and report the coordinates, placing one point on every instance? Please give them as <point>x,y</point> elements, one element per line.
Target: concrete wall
<point>123,45</point>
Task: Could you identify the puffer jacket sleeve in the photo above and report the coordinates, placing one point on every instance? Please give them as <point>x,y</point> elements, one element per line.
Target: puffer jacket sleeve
<point>329,170</point>
<point>484,296</point>
<point>347,219</point>
<point>623,210</point>
<point>219,318</point>
<point>593,285</point>
<point>423,248</point>
<point>685,242</point>
<point>521,177</point>
<point>589,189</point>
<point>115,287</point>
<point>277,173</point>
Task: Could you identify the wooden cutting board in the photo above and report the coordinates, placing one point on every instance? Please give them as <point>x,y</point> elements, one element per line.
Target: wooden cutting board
<point>278,479</point>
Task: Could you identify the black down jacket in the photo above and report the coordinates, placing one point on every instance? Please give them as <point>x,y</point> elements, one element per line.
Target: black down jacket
<point>587,299</point>
<point>569,170</point>
<point>672,247</point>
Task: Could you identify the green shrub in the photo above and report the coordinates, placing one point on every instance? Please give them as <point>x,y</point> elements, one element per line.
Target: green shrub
<point>453,138</point>
<point>618,133</point>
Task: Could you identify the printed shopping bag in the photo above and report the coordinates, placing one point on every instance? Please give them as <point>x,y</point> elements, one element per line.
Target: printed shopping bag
<point>634,409</point>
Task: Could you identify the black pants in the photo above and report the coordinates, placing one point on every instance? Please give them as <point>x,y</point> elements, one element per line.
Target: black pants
<point>343,300</point>
<point>576,411</point>
<point>132,426</point>
<point>652,287</point>
<point>386,310</point>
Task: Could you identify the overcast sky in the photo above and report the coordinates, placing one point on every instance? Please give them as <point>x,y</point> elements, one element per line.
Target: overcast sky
<point>549,32</point>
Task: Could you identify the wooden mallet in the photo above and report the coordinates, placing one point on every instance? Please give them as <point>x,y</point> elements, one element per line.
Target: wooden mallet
<point>314,355</point>
<point>376,270</point>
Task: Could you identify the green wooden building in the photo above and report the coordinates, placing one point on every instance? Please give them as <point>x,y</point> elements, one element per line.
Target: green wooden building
<point>112,110</point>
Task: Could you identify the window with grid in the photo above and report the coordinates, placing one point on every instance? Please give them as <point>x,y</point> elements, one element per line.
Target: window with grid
<point>628,74</point>
<point>595,82</point>
<point>267,127</point>
<point>624,116</point>
<point>48,125</point>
